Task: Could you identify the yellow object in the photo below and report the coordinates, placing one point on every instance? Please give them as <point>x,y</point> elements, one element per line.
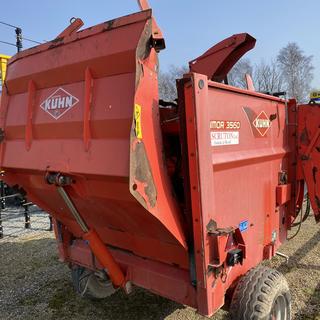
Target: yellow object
<point>315,95</point>
<point>3,66</point>
<point>137,118</point>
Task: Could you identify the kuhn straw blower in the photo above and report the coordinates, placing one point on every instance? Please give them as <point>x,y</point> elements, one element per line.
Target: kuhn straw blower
<point>184,198</point>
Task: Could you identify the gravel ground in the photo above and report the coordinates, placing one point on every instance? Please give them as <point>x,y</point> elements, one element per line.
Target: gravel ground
<point>35,285</point>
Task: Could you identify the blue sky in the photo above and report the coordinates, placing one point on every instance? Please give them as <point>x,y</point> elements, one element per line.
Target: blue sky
<point>190,27</point>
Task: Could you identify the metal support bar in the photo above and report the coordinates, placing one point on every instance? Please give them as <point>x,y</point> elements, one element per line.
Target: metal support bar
<point>283,256</point>
<point>75,25</point>
<point>144,4</point>
<point>27,223</point>
<point>314,139</point>
<point>97,246</point>
<point>31,99</point>
<point>157,37</point>
<point>88,84</point>
<point>73,209</point>
<point>10,196</point>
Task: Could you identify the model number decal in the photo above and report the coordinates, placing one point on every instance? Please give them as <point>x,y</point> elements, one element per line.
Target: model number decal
<point>225,125</point>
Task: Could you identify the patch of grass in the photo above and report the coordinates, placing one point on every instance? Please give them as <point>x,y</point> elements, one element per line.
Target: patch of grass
<point>60,297</point>
<point>29,301</point>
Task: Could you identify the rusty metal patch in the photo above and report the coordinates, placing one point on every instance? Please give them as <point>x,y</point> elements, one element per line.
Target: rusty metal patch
<point>142,185</point>
<point>143,50</point>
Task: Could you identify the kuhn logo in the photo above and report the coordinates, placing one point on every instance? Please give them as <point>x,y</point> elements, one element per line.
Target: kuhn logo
<point>58,103</point>
<point>262,123</point>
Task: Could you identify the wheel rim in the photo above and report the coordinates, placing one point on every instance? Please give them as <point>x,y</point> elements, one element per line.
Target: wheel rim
<point>279,309</point>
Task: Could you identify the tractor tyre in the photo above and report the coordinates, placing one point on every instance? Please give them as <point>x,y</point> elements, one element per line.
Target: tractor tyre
<point>261,294</point>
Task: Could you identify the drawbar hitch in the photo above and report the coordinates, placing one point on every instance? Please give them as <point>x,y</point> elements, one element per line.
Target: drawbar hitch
<point>97,246</point>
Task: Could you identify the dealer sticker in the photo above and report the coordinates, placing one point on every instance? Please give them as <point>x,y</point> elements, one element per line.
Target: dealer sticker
<point>224,132</point>
<point>224,138</point>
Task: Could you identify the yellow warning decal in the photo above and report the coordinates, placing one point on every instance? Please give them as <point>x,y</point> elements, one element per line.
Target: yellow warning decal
<point>137,119</point>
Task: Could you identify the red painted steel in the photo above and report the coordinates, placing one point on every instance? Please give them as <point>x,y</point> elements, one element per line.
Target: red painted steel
<point>87,108</point>
<point>74,26</point>
<point>157,37</point>
<point>144,4</point>
<point>102,173</point>
<point>31,97</point>
<point>309,151</point>
<point>161,278</point>
<point>219,59</point>
<point>283,194</point>
<point>105,258</point>
<point>234,183</point>
<point>172,192</point>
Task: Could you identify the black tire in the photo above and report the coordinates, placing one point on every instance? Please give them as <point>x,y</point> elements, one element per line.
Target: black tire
<point>92,285</point>
<point>261,294</point>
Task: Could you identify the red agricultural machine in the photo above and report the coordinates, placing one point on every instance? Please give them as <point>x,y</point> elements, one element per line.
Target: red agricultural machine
<point>183,198</point>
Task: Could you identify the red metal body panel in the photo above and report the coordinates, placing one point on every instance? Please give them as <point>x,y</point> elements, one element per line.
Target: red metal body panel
<point>91,141</point>
<point>234,183</point>
<point>86,105</point>
<point>160,278</point>
<point>309,152</point>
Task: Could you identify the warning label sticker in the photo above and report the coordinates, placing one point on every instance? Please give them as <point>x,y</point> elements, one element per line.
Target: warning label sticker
<point>224,138</point>
<point>137,119</point>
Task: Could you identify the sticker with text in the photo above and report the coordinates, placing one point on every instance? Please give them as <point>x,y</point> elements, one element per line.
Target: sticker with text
<point>224,138</point>
<point>137,119</point>
<point>224,125</point>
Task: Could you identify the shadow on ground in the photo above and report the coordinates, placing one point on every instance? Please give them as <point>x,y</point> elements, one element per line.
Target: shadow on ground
<point>37,286</point>
<point>296,264</point>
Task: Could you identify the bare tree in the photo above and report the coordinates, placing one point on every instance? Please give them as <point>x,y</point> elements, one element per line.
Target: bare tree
<point>292,72</point>
<point>167,82</point>
<point>297,71</point>
<point>268,77</point>
<point>236,76</point>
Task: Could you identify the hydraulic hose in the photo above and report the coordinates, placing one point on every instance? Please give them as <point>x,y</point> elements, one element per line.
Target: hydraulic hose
<point>303,218</point>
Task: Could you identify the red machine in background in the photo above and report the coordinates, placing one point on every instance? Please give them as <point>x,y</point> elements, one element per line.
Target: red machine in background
<point>184,199</point>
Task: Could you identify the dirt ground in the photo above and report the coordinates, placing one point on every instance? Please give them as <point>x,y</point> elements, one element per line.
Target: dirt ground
<point>35,285</point>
